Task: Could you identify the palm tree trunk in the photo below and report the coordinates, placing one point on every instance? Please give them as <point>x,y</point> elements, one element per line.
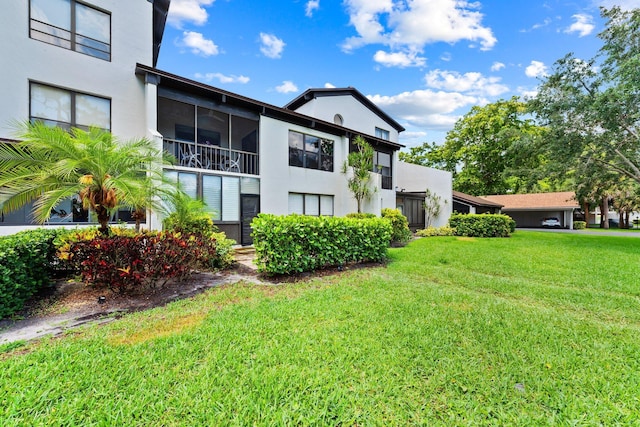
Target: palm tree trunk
<point>103,219</point>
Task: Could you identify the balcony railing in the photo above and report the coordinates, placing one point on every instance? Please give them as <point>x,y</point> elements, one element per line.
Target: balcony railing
<point>387,182</point>
<point>212,157</point>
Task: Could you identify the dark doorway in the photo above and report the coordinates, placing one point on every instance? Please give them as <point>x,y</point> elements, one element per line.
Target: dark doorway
<point>249,209</point>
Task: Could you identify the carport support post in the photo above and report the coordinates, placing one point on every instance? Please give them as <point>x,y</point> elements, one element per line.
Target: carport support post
<point>570,219</point>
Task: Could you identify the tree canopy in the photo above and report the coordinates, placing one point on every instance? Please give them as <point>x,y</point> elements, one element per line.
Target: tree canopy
<point>592,107</point>
<point>491,150</point>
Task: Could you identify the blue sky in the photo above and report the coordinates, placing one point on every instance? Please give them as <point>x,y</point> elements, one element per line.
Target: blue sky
<point>424,62</point>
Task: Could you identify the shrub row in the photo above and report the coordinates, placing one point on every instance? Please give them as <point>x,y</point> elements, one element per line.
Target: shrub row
<point>294,243</point>
<point>482,225</point>
<point>579,225</point>
<point>132,263</point>
<point>26,262</point>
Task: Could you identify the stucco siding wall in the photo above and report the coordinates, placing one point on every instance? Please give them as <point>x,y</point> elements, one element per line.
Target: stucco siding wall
<point>33,60</point>
<point>278,179</point>
<point>356,116</point>
<point>416,178</point>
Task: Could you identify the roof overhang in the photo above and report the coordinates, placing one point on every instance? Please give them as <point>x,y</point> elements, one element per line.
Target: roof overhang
<point>160,12</point>
<point>173,81</point>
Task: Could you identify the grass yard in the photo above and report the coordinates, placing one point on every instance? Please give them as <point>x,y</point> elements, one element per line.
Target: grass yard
<point>537,329</point>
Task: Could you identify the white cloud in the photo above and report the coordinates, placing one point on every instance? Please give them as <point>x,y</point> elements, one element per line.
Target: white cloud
<point>497,66</point>
<point>399,59</point>
<point>329,85</point>
<point>198,44</point>
<point>192,11</point>
<point>472,83</point>
<point>425,108</point>
<point>527,93</point>
<point>404,25</point>
<point>413,135</point>
<point>622,4</point>
<point>272,46</point>
<point>446,57</point>
<point>536,69</point>
<point>311,6</point>
<point>287,86</point>
<point>222,78</point>
<point>583,25</point>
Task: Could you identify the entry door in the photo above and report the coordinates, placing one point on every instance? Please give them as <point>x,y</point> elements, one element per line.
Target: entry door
<point>249,209</point>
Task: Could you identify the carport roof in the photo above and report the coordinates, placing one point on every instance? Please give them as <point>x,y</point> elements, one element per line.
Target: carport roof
<point>565,200</point>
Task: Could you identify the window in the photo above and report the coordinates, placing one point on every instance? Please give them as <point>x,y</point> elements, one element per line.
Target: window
<point>310,152</point>
<point>71,25</point>
<point>65,108</point>
<point>382,165</point>
<point>337,119</point>
<point>382,134</point>
<point>221,194</point>
<point>310,204</point>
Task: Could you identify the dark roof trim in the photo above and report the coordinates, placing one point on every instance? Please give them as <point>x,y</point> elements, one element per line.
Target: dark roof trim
<point>473,200</point>
<point>173,81</point>
<point>312,93</point>
<point>160,12</point>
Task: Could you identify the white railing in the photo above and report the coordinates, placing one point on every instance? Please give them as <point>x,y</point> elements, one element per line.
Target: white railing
<point>212,157</point>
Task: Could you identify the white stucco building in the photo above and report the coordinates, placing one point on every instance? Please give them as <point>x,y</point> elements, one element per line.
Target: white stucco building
<point>81,63</point>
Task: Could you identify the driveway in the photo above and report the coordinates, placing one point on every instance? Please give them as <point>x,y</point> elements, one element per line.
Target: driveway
<point>614,232</point>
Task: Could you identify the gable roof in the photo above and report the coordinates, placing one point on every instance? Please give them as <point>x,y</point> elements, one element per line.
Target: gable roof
<point>537,201</point>
<point>314,93</point>
<point>473,200</point>
<point>173,81</point>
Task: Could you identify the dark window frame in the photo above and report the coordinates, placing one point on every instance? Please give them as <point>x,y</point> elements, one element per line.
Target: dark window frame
<point>325,155</point>
<point>73,93</point>
<point>75,38</point>
<point>320,196</point>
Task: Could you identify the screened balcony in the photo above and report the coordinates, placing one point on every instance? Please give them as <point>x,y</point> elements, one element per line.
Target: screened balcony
<point>205,138</point>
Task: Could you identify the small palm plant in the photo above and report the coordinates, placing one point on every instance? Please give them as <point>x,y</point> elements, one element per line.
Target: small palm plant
<point>361,162</point>
<point>48,165</point>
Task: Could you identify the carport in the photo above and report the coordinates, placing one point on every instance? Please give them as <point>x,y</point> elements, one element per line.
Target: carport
<point>528,210</point>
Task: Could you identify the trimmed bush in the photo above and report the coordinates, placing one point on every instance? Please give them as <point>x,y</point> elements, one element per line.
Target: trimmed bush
<point>361,215</point>
<point>296,243</point>
<point>579,225</point>
<point>26,265</point>
<point>482,225</point>
<point>436,231</point>
<point>400,234</point>
<point>134,263</point>
<point>200,224</point>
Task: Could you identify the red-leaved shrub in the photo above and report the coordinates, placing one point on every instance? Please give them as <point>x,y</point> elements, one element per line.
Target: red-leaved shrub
<point>134,263</point>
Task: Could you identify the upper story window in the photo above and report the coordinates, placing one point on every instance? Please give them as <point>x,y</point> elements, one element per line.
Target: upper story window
<point>310,152</point>
<point>382,134</point>
<point>72,25</point>
<point>382,165</point>
<point>67,109</point>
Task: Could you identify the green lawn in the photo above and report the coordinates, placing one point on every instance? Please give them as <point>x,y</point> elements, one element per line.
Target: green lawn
<point>537,329</point>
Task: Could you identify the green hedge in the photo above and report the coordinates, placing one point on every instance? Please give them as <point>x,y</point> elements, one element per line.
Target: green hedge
<point>482,225</point>
<point>26,261</point>
<point>579,225</point>
<point>295,243</point>
<point>399,224</point>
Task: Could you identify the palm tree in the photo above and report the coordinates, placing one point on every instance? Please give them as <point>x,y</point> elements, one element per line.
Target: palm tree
<point>48,165</point>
